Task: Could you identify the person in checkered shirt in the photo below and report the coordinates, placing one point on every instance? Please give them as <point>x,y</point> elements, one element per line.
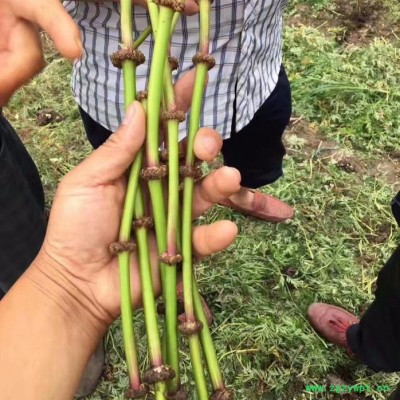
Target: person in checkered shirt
<point>247,98</point>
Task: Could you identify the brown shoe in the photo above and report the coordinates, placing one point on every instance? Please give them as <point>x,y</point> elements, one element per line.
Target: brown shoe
<point>332,322</point>
<point>265,207</point>
<point>93,372</point>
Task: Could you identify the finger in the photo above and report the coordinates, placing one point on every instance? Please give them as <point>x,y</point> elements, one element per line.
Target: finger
<point>215,187</point>
<point>22,60</point>
<point>51,16</point>
<point>207,144</point>
<point>111,160</point>
<point>210,239</point>
<point>184,90</point>
<point>191,8</point>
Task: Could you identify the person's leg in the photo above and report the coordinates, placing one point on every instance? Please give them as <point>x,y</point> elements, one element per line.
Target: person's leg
<point>22,224</point>
<point>375,338</point>
<point>95,132</point>
<point>257,150</point>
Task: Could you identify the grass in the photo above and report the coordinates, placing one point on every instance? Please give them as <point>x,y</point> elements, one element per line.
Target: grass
<point>260,288</point>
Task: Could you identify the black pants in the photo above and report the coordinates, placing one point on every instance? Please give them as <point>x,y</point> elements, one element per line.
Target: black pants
<point>256,150</point>
<point>376,339</point>
<point>22,224</point>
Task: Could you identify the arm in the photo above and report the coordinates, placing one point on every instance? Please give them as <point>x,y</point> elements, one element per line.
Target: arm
<point>47,335</point>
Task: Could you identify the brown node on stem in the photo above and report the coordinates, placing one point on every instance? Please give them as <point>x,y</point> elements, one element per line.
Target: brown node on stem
<point>176,5</point>
<point>174,114</point>
<point>173,63</point>
<point>188,328</point>
<point>158,374</point>
<point>164,155</point>
<point>204,58</point>
<point>119,247</point>
<point>151,173</point>
<point>142,95</point>
<point>181,394</point>
<point>136,393</point>
<point>188,171</point>
<point>170,259</point>
<point>127,54</point>
<point>222,394</point>
<point>144,222</point>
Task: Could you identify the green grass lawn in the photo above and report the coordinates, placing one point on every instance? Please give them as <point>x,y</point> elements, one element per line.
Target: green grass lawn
<point>341,172</point>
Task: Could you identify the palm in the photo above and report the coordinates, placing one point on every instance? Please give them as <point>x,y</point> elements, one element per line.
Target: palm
<point>96,211</point>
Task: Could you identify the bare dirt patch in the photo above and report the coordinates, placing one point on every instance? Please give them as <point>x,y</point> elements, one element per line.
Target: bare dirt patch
<point>352,22</point>
<point>303,140</point>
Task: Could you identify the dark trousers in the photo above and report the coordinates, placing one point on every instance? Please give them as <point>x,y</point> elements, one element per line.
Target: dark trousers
<point>22,224</point>
<point>256,150</point>
<point>376,339</point>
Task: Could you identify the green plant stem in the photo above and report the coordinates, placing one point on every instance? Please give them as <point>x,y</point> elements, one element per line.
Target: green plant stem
<point>168,274</point>
<point>201,74</point>
<point>143,36</point>
<point>194,124</point>
<point>154,13</point>
<point>129,75</point>
<point>170,299</point>
<point>210,354</point>
<point>175,21</point>
<point>149,305</point>
<point>156,84</point>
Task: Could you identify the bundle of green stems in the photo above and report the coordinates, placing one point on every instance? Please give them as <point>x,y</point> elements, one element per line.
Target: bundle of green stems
<point>173,230</point>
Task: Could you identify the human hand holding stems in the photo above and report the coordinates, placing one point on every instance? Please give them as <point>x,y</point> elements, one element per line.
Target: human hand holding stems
<point>54,316</point>
<point>29,17</point>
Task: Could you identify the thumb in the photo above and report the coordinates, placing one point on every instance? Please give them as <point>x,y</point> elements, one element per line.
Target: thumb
<point>51,16</point>
<point>111,160</point>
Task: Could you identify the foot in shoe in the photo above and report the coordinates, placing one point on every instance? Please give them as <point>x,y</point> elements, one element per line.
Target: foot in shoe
<point>332,323</point>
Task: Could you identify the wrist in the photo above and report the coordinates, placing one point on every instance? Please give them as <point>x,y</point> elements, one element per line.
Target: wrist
<point>64,294</point>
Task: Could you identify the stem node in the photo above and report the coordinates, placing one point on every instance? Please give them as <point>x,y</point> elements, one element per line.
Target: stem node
<point>189,328</point>
<point>121,55</point>
<point>121,246</point>
<point>158,374</point>
<point>181,394</point>
<point>143,222</point>
<point>176,5</point>
<point>136,393</point>
<point>189,171</point>
<point>154,173</point>
<point>204,58</point>
<point>170,259</point>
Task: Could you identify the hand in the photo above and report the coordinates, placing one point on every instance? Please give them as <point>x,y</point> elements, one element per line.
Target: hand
<point>87,210</point>
<point>21,53</point>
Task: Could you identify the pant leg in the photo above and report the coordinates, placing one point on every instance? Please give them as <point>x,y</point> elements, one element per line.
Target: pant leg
<point>257,150</point>
<point>22,224</point>
<point>376,339</point>
<point>95,132</point>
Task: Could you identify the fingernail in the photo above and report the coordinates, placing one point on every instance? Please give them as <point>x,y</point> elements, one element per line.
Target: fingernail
<point>210,144</point>
<point>130,113</point>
